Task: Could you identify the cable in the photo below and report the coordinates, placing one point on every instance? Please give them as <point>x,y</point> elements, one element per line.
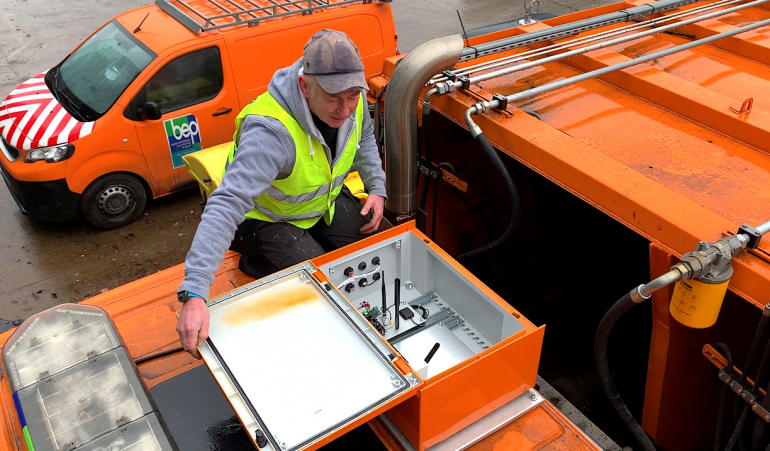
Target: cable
<point>141,360</point>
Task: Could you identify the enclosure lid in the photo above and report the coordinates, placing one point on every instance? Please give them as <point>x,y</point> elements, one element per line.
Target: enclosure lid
<point>298,362</point>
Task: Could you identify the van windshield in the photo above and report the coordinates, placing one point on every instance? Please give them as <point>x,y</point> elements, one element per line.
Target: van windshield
<point>91,79</point>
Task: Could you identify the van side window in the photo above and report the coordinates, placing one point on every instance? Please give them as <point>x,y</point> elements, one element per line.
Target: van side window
<point>192,78</point>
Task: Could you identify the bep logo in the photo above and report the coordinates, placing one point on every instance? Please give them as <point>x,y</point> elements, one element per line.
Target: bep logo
<point>184,136</point>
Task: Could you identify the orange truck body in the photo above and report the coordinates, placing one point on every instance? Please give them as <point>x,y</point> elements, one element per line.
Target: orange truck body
<point>649,161</point>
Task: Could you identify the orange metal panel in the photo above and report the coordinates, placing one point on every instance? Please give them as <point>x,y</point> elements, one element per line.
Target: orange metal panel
<point>660,262</point>
<point>592,146</point>
<point>462,395</point>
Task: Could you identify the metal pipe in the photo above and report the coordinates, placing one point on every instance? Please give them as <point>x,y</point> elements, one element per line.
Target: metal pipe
<point>611,42</point>
<point>764,228</point>
<point>583,40</point>
<point>573,28</point>
<point>406,83</point>
<point>606,70</point>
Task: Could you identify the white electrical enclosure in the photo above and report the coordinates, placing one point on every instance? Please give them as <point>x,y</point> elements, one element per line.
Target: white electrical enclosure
<point>294,362</point>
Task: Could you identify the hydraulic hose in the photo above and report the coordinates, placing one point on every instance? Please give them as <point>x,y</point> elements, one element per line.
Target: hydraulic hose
<point>761,375</point>
<point>602,366</point>
<point>513,195</point>
<point>749,367</point>
<point>723,397</point>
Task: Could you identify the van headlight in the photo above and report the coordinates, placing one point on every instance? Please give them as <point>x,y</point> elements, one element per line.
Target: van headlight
<point>50,154</point>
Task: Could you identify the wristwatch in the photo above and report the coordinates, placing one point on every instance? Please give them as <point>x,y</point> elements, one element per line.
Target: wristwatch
<point>184,296</point>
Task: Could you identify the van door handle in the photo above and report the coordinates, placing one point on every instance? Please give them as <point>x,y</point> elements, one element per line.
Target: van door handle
<point>222,111</point>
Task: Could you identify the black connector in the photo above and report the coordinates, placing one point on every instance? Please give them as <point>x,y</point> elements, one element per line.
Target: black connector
<point>502,99</point>
<point>376,276</point>
<point>260,438</point>
<point>376,261</point>
<point>362,266</point>
<point>350,287</point>
<point>348,271</point>
<point>363,283</point>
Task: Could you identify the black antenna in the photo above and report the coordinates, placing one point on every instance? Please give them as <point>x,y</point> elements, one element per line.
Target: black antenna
<point>465,35</point>
<point>139,28</point>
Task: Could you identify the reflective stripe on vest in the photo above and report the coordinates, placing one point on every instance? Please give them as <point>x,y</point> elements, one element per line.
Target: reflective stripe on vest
<point>309,192</point>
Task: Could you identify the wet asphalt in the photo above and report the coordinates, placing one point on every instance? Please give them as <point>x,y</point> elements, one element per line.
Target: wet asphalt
<point>45,264</point>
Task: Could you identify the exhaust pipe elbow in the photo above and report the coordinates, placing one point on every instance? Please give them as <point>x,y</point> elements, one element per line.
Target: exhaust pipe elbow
<point>401,112</point>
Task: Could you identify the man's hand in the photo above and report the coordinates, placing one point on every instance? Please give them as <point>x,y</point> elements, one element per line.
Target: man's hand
<point>376,204</point>
<point>193,325</point>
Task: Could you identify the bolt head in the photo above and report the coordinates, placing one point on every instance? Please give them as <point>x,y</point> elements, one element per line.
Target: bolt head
<point>533,397</point>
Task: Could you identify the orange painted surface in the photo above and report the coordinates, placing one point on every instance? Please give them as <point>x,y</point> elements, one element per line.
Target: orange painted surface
<point>119,144</point>
<point>542,428</point>
<point>654,146</point>
<point>658,148</point>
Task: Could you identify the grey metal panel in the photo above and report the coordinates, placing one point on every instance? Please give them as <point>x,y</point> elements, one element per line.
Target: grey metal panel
<point>179,15</point>
<point>571,28</point>
<point>292,354</point>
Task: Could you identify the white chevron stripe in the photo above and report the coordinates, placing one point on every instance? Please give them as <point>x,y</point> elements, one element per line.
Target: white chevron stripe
<point>52,127</point>
<point>27,89</point>
<point>64,135</point>
<point>86,129</point>
<point>34,80</point>
<point>30,109</point>
<point>38,123</point>
<point>4,125</point>
<point>29,98</point>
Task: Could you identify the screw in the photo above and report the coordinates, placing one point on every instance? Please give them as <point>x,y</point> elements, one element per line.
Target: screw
<point>533,397</point>
<point>409,285</point>
<point>754,407</point>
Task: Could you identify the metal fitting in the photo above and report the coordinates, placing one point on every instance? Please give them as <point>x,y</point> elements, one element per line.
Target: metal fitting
<point>637,295</point>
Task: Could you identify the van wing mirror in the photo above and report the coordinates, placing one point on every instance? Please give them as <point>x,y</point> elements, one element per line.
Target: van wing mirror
<point>148,111</point>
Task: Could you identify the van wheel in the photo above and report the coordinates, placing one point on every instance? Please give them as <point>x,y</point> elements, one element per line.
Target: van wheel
<point>113,201</point>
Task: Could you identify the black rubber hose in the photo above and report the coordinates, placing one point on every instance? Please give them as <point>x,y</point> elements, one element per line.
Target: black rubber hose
<point>738,429</point>
<point>760,426</point>
<point>761,375</point>
<point>723,397</point>
<point>426,155</point>
<point>602,367</point>
<point>513,195</point>
<point>749,367</point>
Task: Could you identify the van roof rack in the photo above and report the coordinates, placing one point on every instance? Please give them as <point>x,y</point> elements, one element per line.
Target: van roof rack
<point>205,15</point>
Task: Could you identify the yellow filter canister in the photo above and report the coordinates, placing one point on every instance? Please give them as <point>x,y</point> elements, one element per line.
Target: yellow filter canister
<point>696,304</point>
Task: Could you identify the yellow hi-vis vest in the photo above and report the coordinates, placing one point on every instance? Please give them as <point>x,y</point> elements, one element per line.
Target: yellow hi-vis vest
<point>308,193</point>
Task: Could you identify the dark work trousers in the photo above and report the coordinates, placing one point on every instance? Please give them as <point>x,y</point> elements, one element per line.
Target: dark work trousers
<point>279,245</point>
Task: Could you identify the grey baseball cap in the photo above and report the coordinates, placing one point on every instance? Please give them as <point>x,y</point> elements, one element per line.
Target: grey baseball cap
<point>333,58</point>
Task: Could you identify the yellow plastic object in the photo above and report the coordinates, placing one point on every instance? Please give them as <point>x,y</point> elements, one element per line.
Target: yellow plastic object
<point>206,168</point>
<point>696,304</point>
<point>356,185</point>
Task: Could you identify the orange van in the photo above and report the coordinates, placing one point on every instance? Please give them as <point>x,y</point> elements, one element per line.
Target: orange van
<point>107,128</point>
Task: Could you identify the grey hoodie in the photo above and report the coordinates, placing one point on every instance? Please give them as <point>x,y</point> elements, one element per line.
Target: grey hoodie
<point>265,153</point>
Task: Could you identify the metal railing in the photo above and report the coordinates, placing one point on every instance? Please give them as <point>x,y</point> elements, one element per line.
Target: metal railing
<point>196,15</point>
